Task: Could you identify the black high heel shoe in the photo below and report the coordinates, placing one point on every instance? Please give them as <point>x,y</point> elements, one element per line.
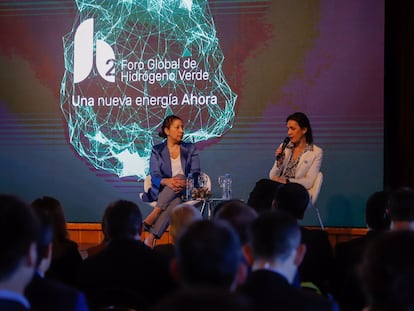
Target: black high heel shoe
<point>147,226</point>
<point>151,218</point>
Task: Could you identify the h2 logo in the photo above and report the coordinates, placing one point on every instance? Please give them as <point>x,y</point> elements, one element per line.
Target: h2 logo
<point>83,54</point>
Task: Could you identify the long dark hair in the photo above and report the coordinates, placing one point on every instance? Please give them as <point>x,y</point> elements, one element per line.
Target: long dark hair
<point>53,208</point>
<point>303,122</point>
<point>167,123</point>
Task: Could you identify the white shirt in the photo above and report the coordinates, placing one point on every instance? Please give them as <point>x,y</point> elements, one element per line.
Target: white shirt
<point>176,166</point>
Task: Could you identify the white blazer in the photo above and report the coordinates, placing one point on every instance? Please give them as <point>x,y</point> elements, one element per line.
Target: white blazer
<point>308,167</point>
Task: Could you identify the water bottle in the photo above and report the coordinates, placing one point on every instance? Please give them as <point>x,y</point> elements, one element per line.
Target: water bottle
<point>189,187</point>
<point>226,187</point>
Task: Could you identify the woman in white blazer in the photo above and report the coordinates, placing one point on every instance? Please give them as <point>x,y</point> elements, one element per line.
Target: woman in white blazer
<point>300,161</point>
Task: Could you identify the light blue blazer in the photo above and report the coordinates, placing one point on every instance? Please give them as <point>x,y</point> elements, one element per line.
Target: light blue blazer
<point>160,164</point>
<point>308,167</point>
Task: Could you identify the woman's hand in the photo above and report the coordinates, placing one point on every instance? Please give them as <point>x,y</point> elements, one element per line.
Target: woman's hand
<point>279,153</point>
<point>175,183</point>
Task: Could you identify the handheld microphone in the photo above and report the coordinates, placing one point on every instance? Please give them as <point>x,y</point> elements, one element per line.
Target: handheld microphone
<point>284,145</point>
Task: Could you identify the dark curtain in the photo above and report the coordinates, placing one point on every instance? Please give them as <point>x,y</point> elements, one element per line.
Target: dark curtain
<point>399,94</point>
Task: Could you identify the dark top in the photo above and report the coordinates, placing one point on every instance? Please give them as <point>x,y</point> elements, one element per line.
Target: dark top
<point>11,305</point>
<point>204,299</point>
<point>125,271</point>
<point>269,290</point>
<point>65,264</point>
<point>166,250</point>
<point>49,295</point>
<point>93,250</point>
<point>318,261</point>
<point>345,281</point>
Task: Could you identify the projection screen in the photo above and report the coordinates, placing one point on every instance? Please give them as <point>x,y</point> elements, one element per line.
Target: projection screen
<point>86,84</point>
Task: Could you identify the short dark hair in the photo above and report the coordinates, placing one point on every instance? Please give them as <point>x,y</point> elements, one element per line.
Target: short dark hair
<point>303,122</point>
<point>274,234</point>
<point>167,123</point>
<point>261,197</point>
<point>402,204</point>
<point>122,219</point>
<point>208,253</point>
<point>387,271</point>
<point>292,198</point>
<point>239,215</point>
<point>376,211</point>
<point>19,228</point>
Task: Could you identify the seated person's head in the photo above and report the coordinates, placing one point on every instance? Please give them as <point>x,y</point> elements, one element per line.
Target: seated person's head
<point>292,198</point>
<point>122,219</point>
<point>45,240</point>
<point>387,271</point>
<point>53,208</point>
<point>377,211</point>
<point>402,209</point>
<point>261,197</point>
<point>238,214</point>
<point>181,216</point>
<point>208,253</point>
<point>275,239</point>
<point>19,230</point>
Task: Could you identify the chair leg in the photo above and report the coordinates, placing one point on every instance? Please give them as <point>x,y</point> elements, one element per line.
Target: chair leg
<point>319,217</point>
<point>203,206</point>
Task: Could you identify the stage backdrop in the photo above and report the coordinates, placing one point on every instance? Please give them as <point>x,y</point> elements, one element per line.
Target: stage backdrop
<point>85,84</point>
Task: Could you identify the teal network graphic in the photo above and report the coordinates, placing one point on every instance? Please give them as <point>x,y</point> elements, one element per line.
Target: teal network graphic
<point>128,65</point>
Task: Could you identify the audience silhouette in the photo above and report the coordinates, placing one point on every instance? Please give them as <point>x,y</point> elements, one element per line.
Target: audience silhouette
<point>275,239</point>
<point>50,295</point>
<point>387,272</point>
<point>205,299</point>
<point>402,209</point>
<point>92,250</point>
<point>208,254</point>
<point>208,266</point>
<point>19,231</point>
<point>181,216</point>
<point>241,259</point>
<point>262,195</point>
<point>316,267</point>
<point>348,255</point>
<point>240,216</point>
<point>66,258</point>
<point>126,272</point>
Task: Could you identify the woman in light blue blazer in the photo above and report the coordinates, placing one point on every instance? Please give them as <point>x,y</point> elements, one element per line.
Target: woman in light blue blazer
<point>300,161</point>
<point>170,163</point>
